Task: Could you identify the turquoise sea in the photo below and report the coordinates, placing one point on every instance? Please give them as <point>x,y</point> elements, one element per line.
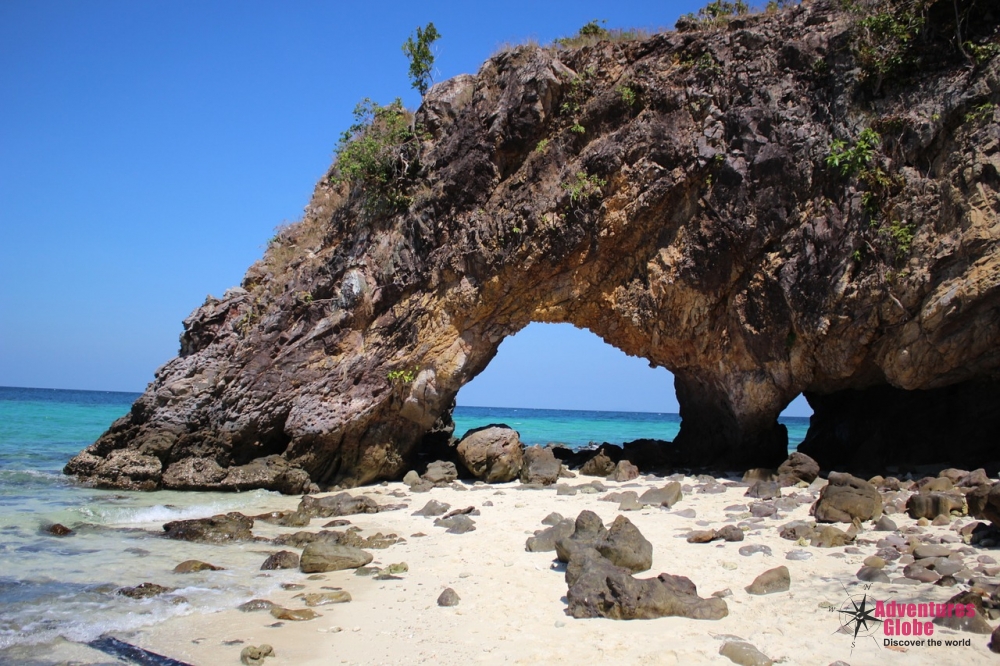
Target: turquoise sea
<point>58,593</point>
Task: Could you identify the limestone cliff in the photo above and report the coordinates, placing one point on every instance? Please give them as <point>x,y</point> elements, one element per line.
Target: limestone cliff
<point>682,196</point>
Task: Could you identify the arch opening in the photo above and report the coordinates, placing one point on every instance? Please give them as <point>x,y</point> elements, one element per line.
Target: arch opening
<point>557,383</point>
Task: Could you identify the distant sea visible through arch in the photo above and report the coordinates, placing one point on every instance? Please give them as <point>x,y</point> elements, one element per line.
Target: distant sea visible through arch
<point>581,428</point>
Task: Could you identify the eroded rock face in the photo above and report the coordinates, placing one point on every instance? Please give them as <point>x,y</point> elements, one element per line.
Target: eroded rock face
<point>699,227</point>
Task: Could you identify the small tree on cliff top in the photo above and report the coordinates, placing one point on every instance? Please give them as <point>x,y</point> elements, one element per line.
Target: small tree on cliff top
<point>421,57</point>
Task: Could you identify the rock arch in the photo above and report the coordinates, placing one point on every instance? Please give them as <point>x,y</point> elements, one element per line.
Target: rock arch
<point>698,228</point>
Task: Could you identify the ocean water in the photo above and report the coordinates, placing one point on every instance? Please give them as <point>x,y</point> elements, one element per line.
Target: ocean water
<point>579,428</point>
<point>58,593</point>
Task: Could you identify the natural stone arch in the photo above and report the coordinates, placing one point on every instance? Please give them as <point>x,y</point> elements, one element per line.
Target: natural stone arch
<point>700,229</point>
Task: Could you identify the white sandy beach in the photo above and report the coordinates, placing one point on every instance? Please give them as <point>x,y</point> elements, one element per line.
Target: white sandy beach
<point>513,605</point>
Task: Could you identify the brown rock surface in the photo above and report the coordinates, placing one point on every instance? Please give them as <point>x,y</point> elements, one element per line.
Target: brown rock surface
<point>700,228</point>
<point>493,453</point>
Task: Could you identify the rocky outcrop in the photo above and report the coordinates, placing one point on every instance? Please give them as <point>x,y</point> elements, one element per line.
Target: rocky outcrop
<point>682,196</point>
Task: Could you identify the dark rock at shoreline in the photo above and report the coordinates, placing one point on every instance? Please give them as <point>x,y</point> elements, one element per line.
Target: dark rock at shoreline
<point>599,465</point>
<point>283,559</point>
<point>220,528</point>
<point>540,466</point>
<point>847,498</point>
<point>284,518</point>
<point>143,591</point>
<point>341,504</point>
<point>59,530</point>
<point>493,453</point>
<point>193,566</point>
<point>322,556</point>
<point>256,605</point>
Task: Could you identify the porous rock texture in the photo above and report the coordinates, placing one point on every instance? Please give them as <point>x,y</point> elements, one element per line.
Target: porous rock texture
<point>695,223</point>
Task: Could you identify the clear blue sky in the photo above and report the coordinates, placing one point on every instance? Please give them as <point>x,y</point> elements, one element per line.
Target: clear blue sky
<point>149,149</point>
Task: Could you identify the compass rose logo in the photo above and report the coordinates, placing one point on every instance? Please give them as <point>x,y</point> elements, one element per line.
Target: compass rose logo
<point>857,617</point>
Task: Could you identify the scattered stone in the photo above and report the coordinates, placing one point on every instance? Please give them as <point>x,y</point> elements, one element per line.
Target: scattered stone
<point>296,615</point>
<point>256,605</point>
<point>686,513</point>
<point>624,471</point>
<point>624,546</point>
<point>919,573</point>
<point>795,530</point>
<point>448,598</point>
<point>552,519</point>
<point>321,556</point>
<point>926,550</point>
<point>994,644</point>
<point>753,549</point>
<point>254,656</point>
<point>831,537</point>
<point>587,531</point>
<point>433,508</point>
<point>599,465</point>
<point>143,591</point>
<point>666,496</point>
<point>332,506</point>
<point>221,528</point>
<point>872,575</point>
<point>931,505</point>
<point>493,453</point>
<point>701,536</point>
<point>974,479</point>
<point>193,566</point>
<point>598,588</point>
<point>762,510</point>
<point>545,540</point>
<point>758,474</point>
<point>292,586</point>
<point>798,555</point>
<point>540,466</point>
<point>411,478</point>
<point>771,581</point>
<point>630,502</point>
<point>459,524</point>
<point>763,490</point>
<point>846,498</point>
<point>744,654</point>
<point>885,524</point>
<point>283,559</point>
<point>797,468</point>
<point>563,489</point>
<point>284,518</point>
<point>974,623</point>
<point>324,598</point>
<point>440,472</point>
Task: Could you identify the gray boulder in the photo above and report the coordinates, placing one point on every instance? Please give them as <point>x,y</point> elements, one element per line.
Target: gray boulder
<point>540,466</point>
<point>321,556</point>
<point>624,546</point>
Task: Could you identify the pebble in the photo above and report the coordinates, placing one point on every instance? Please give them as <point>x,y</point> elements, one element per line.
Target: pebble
<point>798,555</point>
<point>753,549</point>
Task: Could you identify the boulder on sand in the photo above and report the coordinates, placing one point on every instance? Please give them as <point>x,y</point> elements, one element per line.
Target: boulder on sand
<point>322,556</point>
<point>540,466</point>
<point>847,498</point>
<point>493,454</point>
